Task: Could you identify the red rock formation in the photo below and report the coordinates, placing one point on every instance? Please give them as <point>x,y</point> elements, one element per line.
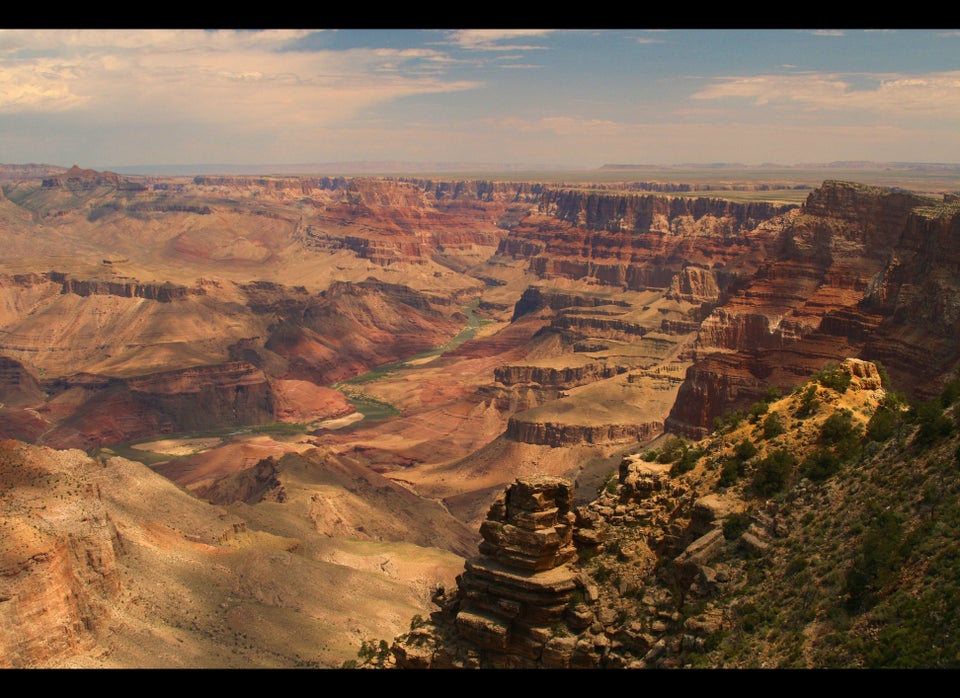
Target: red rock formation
<point>549,434</point>
<point>107,411</point>
<point>862,272</point>
<point>519,585</point>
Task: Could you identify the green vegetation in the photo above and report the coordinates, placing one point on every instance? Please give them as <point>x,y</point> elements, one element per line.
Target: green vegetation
<point>869,554</point>
<point>735,524</point>
<point>773,473</point>
<point>733,468</point>
<point>834,377</point>
<point>371,653</point>
<point>808,402</point>
<point>728,422</point>
<point>877,560</point>
<point>773,426</point>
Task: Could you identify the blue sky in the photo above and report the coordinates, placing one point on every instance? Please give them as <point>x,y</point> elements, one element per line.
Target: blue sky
<point>571,98</point>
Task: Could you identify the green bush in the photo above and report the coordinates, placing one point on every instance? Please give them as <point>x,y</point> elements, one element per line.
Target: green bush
<point>757,410</point>
<point>933,423</point>
<point>730,472</point>
<point>773,473</point>
<point>733,467</point>
<point>834,377</point>
<point>672,449</point>
<point>687,460</point>
<point>882,425</point>
<point>950,393</point>
<point>796,565</point>
<point>736,524</point>
<point>820,465</point>
<point>728,422</point>
<point>877,560</point>
<point>885,381</point>
<point>773,426</point>
<point>745,450</point>
<point>837,427</point>
<point>808,402</point>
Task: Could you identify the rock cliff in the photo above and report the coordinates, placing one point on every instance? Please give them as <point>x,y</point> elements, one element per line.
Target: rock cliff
<point>59,574</point>
<point>833,289</point>
<point>111,410</point>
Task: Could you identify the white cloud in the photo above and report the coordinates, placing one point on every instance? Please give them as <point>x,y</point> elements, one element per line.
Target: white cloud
<point>933,94</point>
<point>65,41</point>
<point>233,78</point>
<point>486,39</point>
<point>42,85</point>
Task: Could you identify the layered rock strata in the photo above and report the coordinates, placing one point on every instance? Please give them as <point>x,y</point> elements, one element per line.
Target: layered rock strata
<point>860,271</point>
<point>519,586</point>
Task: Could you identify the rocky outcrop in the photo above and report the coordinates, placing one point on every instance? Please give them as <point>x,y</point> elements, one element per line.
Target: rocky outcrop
<point>19,385</point>
<point>250,486</point>
<point>537,298</point>
<point>123,287</point>
<point>538,595</point>
<point>77,178</point>
<point>562,377</point>
<point>556,435</point>
<point>163,293</point>
<point>518,588</point>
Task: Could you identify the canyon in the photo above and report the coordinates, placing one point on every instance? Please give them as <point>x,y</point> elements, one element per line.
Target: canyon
<point>260,421</point>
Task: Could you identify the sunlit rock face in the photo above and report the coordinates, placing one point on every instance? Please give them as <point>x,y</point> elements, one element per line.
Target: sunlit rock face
<point>847,281</point>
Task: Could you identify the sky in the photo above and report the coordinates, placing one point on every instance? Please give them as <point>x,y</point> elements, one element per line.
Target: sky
<point>572,98</point>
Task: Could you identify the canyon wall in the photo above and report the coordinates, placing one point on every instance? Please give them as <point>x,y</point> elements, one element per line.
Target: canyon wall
<point>862,272</point>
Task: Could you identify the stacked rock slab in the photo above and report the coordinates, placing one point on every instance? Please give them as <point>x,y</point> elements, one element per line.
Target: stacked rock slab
<point>520,585</point>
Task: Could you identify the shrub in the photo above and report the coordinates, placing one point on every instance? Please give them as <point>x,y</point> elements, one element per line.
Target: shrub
<point>733,468</point>
<point>757,410</point>
<point>820,465</point>
<point>773,473</point>
<point>728,422</point>
<point>797,564</point>
<point>885,381</point>
<point>745,450</point>
<point>950,393</point>
<point>671,450</point>
<point>882,425</point>
<point>877,560</point>
<point>808,402</point>
<point>834,377</point>
<point>687,460</point>
<point>736,524</point>
<point>729,472</point>
<point>837,427</point>
<point>772,426</point>
<point>934,424</point>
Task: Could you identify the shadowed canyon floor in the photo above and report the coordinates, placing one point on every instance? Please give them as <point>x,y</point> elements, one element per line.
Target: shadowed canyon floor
<point>291,401</point>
